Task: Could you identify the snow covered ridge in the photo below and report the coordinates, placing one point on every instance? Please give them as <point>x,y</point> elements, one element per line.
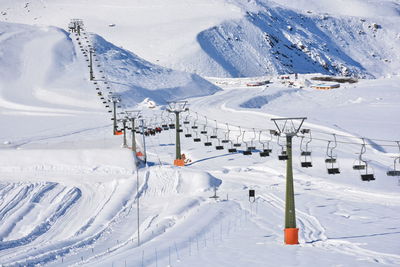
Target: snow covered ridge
<point>136,79</point>
<point>274,39</point>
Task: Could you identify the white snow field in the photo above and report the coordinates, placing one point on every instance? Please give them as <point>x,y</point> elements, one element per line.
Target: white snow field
<point>69,189</point>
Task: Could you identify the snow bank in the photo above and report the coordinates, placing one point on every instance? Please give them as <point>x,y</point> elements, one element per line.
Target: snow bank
<point>196,181</point>
<point>73,161</point>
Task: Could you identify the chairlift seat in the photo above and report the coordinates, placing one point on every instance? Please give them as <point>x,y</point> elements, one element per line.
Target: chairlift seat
<point>268,150</point>
<point>247,152</point>
<point>358,167</point>
<point>333,171</point>
<point>188,135</point>
<point>194,127</point>
<point>213,137</point>
<point>203,132</point>
<point>180,130</point>
<point>196,139</point>
<point>219,147</point>
<point>330,160</point>
<point>306,153</point>
<point>232,150</point>
<point>164,125</point>
<point>264,154</point>
<point>306,164</point>
<point>207,144</point>
<point>237,145</point>
<point>283,157</point>
<point>367,177</point>
<point>186,122</point>
<point>225,141</point>
<point>393,173</point>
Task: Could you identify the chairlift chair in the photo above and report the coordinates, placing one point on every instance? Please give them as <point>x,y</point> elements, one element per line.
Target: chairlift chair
<point>194,126</point>
<point>395,171</point>
<point>215,131</point>
<point>283,155</point>
<point>232,149</point>
<point>219,146</point>
<point>226,135</point>
<point>196,138</point>
<point>207,143</point>
<point>204,131</point>
<point>305,152</point>
<point>330,161</point>
<point>237,144</point>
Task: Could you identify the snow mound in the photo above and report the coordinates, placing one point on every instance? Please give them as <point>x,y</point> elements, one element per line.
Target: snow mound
<point>195,181</point>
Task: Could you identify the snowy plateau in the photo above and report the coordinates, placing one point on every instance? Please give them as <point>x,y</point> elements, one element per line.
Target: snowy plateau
<point>74,193</point>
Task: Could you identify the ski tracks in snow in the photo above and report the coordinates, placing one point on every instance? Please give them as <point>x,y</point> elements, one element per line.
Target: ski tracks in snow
<point>312,233</point>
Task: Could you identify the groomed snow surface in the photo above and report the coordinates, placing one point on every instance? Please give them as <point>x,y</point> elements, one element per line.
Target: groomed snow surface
<point>69,191</point>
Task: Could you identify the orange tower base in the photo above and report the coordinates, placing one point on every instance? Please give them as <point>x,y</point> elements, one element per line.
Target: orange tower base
<point>139,154</point>
<point>291,236</point>
<point>179,162</point>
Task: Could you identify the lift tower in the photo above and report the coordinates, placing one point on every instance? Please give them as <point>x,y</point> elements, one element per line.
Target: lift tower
<point>114,98</point>
<point>287,127</point>
<point>177,107</point>
<point>133,115</point>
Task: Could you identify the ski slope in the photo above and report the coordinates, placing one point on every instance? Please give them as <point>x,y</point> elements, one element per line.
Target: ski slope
<point>69,190</point>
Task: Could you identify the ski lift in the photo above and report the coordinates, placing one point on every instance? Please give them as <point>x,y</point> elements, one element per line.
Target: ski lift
<point>219,146</point>
<point>187,134</point>
<point>194,126</point>
<point>215,131</point>
<point>305,152</point>
<point>232,149</point>
<point>330,161</point>
<point>164,123</point>
<point>252,147</point>
<point>265,151</point>
<point>207,143</point>
<point>283,155</point>
<point>395,171</point>
<point>226,138</point>
<point>204,131</point>
<point>237,144</point>
<point>246,152</point>
<point>362,164</point>
<point>186,120</point>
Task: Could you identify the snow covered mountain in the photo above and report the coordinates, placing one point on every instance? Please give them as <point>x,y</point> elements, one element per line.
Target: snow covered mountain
<point>239,38</point>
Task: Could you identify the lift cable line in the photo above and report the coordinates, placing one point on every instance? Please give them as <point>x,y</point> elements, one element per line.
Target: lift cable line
<point>287,127</point>
<point>328,133</point>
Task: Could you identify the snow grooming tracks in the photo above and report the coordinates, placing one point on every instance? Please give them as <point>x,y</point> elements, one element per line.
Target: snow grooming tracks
<point>69,199</point>
<point>313,234</point>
